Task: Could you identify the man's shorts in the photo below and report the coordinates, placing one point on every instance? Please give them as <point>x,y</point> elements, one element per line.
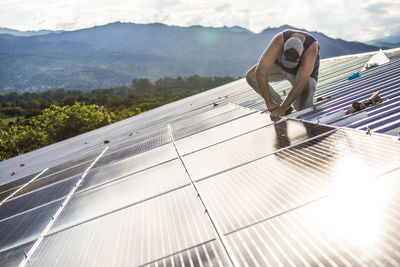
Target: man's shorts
<point>276,74</point>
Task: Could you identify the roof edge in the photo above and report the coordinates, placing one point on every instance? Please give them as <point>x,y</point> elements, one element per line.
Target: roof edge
<point>393,50</point>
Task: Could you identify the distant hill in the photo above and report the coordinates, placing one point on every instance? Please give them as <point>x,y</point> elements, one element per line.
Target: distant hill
<point>114,54</point>
<point>392,41</point>
<point>25,33</point>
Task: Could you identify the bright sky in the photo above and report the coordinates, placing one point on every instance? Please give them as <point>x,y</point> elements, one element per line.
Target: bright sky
<point>353,20</point>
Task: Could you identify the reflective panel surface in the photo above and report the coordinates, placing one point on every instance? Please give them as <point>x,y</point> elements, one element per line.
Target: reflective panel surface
<point>26,227</point>
<point>202,117</point>
<point>14,256</point>
<point>222,132</point>
<point>46,180</point>
<point>296,176</point>
<point>148,159</point>
<point>249,147</point>
<point>7,193</point>
<point>17,183</point>
<point>132,236</point>
<point>354,227</point>
<point>36,198</point>
<point>277,197</point>
<point>133,147</point>
<point>127,191</point>
<point>145,138</point>
<point>195,125</point>
<point>207,254</point>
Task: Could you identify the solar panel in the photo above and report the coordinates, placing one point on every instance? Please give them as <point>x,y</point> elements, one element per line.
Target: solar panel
<point>193,125</point>
<point>105,173</point>
<point>43,181</point>
<point>135,188</point>
<point>296,176</point>
<point>37,198</point>
<point>17,183</point>
<point>71,167</point>
<point>131,149</point>
<point>7,193</point>
<point>249,147</point>
<point>25,227</point>
<point>142,141</point>
<point>222,133</point>
<point>14,256</point>
<point>211,181</point>
<point>357,226</point>
<point>140,234</point>
<point>208,254</point>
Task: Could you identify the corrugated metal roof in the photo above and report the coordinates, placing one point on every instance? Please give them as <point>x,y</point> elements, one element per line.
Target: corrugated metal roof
<point>333,82</point>
<point>211,180</point>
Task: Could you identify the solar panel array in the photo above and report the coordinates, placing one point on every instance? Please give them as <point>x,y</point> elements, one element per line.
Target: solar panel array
<point>206,181</point>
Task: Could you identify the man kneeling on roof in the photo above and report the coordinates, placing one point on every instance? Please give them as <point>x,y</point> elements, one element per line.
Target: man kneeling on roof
<point>292,55</point>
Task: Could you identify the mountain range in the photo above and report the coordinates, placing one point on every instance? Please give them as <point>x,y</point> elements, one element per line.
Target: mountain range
<point>392,41</point>
<point>114,54</point>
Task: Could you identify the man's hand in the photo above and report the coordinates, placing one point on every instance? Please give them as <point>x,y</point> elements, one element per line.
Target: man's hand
<point>272,106</point>
<point>276,113</point>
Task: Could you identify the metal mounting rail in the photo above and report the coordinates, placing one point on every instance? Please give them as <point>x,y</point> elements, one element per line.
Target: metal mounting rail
<point>221,237</point>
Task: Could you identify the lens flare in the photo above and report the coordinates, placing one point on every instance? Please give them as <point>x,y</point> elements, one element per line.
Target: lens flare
<point>355,212</point>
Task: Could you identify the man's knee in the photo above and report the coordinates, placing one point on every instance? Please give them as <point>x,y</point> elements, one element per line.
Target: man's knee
<point>248,79</point>
<point>306,97</point>
<point>250,76</point>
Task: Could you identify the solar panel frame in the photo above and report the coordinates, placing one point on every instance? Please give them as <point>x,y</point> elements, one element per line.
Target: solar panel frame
<point>183,227</point>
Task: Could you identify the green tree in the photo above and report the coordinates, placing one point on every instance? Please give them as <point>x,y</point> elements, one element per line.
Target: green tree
<point>53,125</point>
<point>64,122</point>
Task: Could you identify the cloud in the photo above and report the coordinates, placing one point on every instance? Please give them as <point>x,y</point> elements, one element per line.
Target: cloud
<point>162,4</point>
<point>161,17</point>
<point>193,21</point>
<point>350,20</point>
<point>68,25</point>
<point>378,8</point>
<point>223,7</point>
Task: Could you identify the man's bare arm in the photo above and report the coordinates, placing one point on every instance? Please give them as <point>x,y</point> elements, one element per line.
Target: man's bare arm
<point>268,58</point>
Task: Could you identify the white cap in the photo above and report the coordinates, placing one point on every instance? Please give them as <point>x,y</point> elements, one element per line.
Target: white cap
<point>292,52</point>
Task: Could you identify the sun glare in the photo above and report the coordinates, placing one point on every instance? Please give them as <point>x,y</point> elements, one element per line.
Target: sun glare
<point>354,212</point>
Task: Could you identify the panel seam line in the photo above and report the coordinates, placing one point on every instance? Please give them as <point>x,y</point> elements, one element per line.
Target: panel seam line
<point>230,138</point>
<point>29,254</point>
<point>22,187</point>
<point>97,216</point>
<point>228,250</point>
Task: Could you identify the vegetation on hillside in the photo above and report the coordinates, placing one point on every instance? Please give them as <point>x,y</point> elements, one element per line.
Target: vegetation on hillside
<point>51,116</point>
